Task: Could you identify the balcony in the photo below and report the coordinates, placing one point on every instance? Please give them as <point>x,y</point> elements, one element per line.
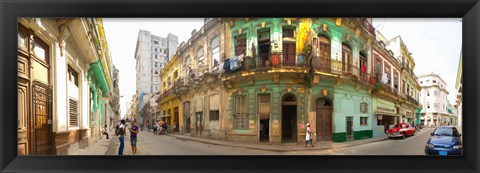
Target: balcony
<point>166,93</point>
<point>181,86</point>
<point>412,100</point>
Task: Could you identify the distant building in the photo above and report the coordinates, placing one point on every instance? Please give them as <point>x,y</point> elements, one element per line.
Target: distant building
<point>433,97</point>
<point>151,54</point>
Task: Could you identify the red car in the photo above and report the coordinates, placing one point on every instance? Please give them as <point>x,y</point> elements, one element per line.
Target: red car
<point>401,130</point>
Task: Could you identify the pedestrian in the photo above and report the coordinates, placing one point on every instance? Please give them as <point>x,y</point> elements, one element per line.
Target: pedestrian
<point>155,128</point>
<point>133,137</point>
<point>121,133</point>
<point>308,136</point>
<point>105,131</point>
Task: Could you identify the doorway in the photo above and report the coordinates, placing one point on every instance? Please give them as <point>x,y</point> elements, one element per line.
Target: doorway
<point>199,123</point>
<point>324,120</point>
<point>349,128</point>
<point>42,117</point>
<point>186,114</point>
<point>264,112</point>
<point>263,47</point>
<point>175,119</point>
<point>289,119</point>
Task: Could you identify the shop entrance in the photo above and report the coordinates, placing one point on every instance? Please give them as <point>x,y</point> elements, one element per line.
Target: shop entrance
<point>324,120</point>
<point>289,119</point>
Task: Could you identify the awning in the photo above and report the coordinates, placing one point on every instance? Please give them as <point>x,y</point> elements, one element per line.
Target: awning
<point>384,107</point>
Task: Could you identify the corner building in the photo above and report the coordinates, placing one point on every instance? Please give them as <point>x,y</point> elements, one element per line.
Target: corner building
<point>282,73</point>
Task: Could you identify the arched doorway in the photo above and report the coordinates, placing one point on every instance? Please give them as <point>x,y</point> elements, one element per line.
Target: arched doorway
<point>324,119</point>
<point>289,118</point>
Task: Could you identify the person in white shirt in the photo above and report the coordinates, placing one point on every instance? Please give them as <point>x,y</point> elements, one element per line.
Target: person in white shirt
<point>308,136</point>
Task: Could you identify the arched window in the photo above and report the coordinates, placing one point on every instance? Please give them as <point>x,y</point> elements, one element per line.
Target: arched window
<point>363,108</point>
<point>187,60</point>
<point>200,58</point>
<point>346,59</point>
<point>215,52</point>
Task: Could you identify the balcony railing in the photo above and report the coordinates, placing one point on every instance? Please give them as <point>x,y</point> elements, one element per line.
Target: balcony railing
<point>166,93</point>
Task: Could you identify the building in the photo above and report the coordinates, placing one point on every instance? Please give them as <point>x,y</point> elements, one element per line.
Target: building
<point>409,85</point>
<point>114,99</point>
<point>63,82</point>
<point>169,103</point>
<point>387,77</point>
<point>264,79</point>
<point>151,54</point>
<point>459,93</point>
<point>434,100</point>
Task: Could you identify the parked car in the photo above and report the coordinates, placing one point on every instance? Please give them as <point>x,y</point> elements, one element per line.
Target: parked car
<point>401,130</point>
<point>444,141</point>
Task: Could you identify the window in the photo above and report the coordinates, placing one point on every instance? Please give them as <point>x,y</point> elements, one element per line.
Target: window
<point>91,100</point>
<point>428,81</point>
<point>363,108</point>
<point>156,57</point>
<point>434,93</point>
<point>39,49</point>
<point>434,81</point>
<point>200,58</point>
<point>240,45</point>
<point>240,117</point>
<point>72,76</point>
<point>364,121</point>
<point>387,72</point>
<point>428,93</point>
<point>73,112</point>
<point>187,60</point>
<point>214,115</point>
<point>378,67</point>
<point>288,32</point>
<point>428,105</point>
<point>346,59</point>
<point>155,42</point>
<point>324,50</point>
<point>435,105</point>
<point>395,80</point>
<point>215,52</point>
<point>421,82</point>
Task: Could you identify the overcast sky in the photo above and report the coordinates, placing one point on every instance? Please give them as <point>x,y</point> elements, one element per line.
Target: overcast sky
<point>434,43</point>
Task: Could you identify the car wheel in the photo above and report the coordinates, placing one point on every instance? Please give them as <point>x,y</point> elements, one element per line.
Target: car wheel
<point>403,136</point>
<point>413,134</point>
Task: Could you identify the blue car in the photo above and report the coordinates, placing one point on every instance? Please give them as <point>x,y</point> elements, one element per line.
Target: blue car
<point>444,141</point>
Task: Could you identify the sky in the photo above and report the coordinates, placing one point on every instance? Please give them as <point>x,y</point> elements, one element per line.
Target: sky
<point>435,44</point>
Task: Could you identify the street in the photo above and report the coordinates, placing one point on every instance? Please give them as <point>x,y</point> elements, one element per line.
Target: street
<point>149,144</point>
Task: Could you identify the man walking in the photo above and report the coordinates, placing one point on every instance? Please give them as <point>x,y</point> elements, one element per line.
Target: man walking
<point>121,133</point>
<point>308,136</point>
<point>133,137</point>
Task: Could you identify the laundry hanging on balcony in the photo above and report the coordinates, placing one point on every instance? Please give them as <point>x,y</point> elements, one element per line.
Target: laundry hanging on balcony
<point>234,63</point>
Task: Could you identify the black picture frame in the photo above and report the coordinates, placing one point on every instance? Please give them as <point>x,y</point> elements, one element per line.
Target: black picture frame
<point>469,10</point>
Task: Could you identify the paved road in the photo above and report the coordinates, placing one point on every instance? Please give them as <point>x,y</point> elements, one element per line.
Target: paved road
<point>149,144</point>
<point>413,145</point>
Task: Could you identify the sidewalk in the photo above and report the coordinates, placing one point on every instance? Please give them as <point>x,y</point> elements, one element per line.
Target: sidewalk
<point>281,147</point>
<point>100,147</point>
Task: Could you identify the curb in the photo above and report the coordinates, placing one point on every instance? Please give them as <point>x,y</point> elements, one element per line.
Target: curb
<point>269,149</point>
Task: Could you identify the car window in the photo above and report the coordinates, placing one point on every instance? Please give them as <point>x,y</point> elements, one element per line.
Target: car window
<point>455,132</point>
<point>404,126</point>
<point>443,132</point>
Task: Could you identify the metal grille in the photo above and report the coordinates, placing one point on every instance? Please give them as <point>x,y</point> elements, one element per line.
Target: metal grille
<point>349,128</point>
<point>240,117</point>
<point>73,112</point>
<point>42,116</point>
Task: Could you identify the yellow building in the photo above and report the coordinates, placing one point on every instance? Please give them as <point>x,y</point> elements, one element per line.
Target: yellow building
<point>168,100</point>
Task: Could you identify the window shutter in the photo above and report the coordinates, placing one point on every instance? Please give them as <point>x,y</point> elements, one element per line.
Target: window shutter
<point>73,110</point>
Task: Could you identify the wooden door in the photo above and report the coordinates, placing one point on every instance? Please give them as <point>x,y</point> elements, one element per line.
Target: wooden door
<point>199,123</point>
<point>175,119</point>
<point>289,54</point>
<point>324,120</point>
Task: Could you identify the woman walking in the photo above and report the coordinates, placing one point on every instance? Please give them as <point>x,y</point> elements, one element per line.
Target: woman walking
<point>308,136</point>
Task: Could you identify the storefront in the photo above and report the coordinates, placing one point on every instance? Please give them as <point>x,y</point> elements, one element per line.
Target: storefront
<point>385,114</point>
